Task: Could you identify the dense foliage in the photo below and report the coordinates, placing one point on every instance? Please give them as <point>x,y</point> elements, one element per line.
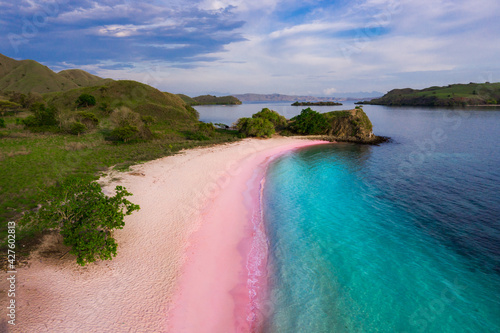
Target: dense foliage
<point>309,122</point>
<point>258,127</point>
<point>128,126</point>
<point>279,121</point>
<point>85,100</point>
<point>42,116</point>
<point>85,217</point>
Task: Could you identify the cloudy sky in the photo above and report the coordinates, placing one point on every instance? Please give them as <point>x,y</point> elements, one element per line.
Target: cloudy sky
<point>262,46</point>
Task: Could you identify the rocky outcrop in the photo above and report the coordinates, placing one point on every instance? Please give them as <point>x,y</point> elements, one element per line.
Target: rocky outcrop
<point>352,126</point>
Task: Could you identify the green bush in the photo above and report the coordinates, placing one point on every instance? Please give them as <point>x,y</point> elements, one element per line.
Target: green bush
<point>87,118</point>
<point>279,122</point>
<point>128,126</point>
<point>77,128</point>
<point>206,128</point>
<point>2,123</point>
<point>125,133</point>
<point>148,120</point>
<point>42,116</point>
<point>258,127</point>
<point>84,216</point>
<point>309,122</point>
<point>105,108</point>
<point>85,100</point>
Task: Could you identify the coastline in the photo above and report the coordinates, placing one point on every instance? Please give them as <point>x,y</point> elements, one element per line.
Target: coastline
<point>135,291</point>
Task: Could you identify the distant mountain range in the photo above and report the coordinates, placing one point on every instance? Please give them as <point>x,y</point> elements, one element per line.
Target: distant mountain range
<point>294,98</point>
<point>30,76</point>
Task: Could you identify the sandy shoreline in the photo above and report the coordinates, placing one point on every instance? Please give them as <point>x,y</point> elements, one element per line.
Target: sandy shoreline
<point>134,291</point>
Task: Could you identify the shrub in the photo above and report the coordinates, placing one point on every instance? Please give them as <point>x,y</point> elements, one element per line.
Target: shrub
<point>105,108</point>
<point>258,127</point>
<point>148,120</point>
<point>84,216</point>
<point>42,116</point>
<point>309,122</point>
<point>2,123</point>
<point>87,118</point>
<point>85,100</point>
<point>77,128</point>
<point>279,122</point>
<point>128,126</point>
<point>125,133</point>
<point>206,128</point>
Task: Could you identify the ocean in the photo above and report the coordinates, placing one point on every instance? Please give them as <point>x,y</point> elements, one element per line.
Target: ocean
<point>401,237</point>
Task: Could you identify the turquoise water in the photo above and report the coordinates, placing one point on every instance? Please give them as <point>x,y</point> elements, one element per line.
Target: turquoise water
<point>402,237</point>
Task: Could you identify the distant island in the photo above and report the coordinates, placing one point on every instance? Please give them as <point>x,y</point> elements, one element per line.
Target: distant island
<point>451,95</point>
<point>210,100</point>
<point>297,103</point>
<point>292,98</point>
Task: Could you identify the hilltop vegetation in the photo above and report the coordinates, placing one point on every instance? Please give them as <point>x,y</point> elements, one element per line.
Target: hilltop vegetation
<point>210,100</point>
<point>29,76</point>
<point>350,125</point>
<point>451,95</point>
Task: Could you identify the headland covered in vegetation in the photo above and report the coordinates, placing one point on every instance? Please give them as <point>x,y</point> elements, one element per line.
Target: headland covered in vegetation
<point>210,100</point>
<point>451,95</point>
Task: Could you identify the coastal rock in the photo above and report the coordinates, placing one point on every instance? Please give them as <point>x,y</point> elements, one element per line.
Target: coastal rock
<point>351,126</point>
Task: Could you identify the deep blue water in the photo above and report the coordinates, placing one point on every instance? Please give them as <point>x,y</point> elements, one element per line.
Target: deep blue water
<point>401,237</point>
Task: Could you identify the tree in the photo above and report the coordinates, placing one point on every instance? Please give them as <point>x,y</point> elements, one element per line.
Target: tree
<point>279,122</point>
<point>258,127</point>
<point>42,116</point>
<point>85,100</point>
<point>8,106</point>
<point>84,216</point>
<point>309,122</point>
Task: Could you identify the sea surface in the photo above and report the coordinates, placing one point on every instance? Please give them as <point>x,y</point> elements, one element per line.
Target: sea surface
<point>401,237</point>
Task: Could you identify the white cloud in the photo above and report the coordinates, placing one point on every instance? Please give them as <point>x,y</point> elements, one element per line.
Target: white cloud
<point>419,43</point>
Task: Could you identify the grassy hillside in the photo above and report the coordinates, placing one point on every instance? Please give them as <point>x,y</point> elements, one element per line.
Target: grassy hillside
<point>451,95</point>
<point>188,100</point>
<point>82,78</point>
<point>32,159</point>
<point>139,97</point>
<point>213,100</point>
<point>26,76</point>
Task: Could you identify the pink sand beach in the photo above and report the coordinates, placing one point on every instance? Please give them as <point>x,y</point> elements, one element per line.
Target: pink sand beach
<point>191,260</point>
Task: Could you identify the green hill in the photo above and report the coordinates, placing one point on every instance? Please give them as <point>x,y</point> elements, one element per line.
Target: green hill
<point>137,96</point>
<point>213,100</point>
<point>451,95</point>
<point>82,78</point>
<point>27,76</point>
<point>188,100</point>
